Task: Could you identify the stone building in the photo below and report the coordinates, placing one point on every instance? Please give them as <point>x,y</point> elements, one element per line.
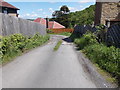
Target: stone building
<point>8,8</point>
<point>107,13</point>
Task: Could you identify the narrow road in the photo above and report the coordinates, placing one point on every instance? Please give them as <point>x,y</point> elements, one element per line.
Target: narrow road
<point>44,68</point>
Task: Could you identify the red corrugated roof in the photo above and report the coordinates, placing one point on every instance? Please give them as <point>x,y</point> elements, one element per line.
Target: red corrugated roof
<point>57,25</point>
<point>37,20</point>
<point>5,4</point>
<point>51,24</point>
<point>41,21</point>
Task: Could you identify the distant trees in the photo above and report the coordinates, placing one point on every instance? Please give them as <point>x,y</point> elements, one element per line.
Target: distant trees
<point>64,9</point>
<point>62,16</point>
<point>70,19</point>
<point>57,14</point>
<point>83,17</point>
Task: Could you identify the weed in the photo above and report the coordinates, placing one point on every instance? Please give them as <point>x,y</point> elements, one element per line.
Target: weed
<point>57,45</point>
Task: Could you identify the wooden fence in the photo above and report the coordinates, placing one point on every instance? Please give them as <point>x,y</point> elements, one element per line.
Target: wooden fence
<point>12,25</point>
<point>112,36</point>
<point>62,30</point>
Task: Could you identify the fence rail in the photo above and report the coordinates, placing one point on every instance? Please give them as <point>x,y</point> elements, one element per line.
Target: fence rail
<point>62,30</point>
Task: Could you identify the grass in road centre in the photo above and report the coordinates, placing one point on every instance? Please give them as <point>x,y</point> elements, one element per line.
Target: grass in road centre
<point>57,45</point>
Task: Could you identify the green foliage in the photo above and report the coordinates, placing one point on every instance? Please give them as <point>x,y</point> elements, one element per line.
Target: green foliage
<point>63,19</point>
<point>85,40</point>
<point>101,33</point>
<point>14,45</point>
<point>83,17</point>
<point>71,19</point>
<point>108,58</point>
<point>50,31</point>
<point>62,16</point>
<point>65,9</point>
<point>57,14</point>
<point>65,34</point>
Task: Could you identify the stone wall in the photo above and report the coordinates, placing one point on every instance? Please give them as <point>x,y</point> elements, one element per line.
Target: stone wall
<point>11,25</point>
<point>110,11</point>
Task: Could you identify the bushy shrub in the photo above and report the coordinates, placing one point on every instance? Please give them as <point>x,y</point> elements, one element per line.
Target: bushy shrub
<point>15,44</point>
<point>49,31</point>
<point>101,33</point>
<point>107,58</point>
<point>85,40</point>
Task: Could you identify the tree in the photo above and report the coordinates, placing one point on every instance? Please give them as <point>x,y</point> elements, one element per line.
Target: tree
<point>64,9</point>
<point>57,14</point>
<point>62,16</point>
<point>70,19</point>
<point>83,17</point>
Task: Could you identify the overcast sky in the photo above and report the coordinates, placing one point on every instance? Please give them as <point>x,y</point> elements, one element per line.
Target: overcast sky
<point>32,10</point>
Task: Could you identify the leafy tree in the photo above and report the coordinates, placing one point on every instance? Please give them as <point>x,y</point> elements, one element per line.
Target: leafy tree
<point>57,14</point>
<point>64,9</point>
<point>70,19</point>
<point>62,16</point>
<point>83,17</point>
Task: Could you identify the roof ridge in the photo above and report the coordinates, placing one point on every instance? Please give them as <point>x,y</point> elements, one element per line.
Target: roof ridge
<point>40,20</point>
<point>6,4</point>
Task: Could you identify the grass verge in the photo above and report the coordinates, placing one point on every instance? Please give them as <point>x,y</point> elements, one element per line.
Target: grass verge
<point>57,45</point>
<point>107,58</point>
<point>105,74</point>
<point>64,33</point>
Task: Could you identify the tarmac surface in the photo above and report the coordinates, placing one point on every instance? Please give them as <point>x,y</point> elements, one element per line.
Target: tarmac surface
<point>45,68</point>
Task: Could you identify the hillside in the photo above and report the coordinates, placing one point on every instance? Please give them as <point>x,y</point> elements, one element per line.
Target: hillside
<point>85,16</point>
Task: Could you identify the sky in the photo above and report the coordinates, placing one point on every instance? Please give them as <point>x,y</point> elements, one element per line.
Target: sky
<point>33,10</point>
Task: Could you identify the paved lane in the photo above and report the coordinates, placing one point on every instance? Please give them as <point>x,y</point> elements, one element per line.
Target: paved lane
<point>44,68</point>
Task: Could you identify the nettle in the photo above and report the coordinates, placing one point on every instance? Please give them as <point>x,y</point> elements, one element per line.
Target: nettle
<point>13,45</point>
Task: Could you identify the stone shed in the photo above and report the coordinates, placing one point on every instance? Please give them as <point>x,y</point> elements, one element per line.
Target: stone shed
<point>107,13</point>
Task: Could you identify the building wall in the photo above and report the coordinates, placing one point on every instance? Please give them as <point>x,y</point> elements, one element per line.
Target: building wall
<point>110,11</point>
<point>10,11</point>
<point>11,25</point>
<point>13,14</point>
<point>98,13</point>
<point>107,11</point>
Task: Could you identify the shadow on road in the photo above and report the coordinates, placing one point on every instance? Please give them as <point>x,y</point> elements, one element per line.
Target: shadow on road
<point>67,40</point>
